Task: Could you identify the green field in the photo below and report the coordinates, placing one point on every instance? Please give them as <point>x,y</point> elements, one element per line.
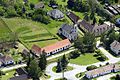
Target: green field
<point>86,59</point>
<point>5,33</point>
<point>31,32</point>
<point>8,75</point>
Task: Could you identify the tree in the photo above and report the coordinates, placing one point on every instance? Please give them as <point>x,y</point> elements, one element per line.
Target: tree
<point>116,1</point>
<point>91,67</point>
<point>34,70</point>
<point>64,62</point>
<point>42,61</point>
<point>58,67</point>
<point>94,20</point>
<point>1,73</point>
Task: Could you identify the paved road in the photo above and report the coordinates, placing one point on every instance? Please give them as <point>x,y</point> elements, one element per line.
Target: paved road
<point>13,67</point>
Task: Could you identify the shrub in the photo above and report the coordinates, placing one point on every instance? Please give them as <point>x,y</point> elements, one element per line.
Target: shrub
<point>91,67</point>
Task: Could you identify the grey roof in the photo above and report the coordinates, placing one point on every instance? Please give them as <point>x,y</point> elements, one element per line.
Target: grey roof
<point>67,28</point>
<point>57,14</point>
<point>39,5</point>
<point>86,25</point>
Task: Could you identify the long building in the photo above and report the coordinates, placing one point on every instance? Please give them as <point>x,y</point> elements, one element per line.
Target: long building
<point>51,49</point>
<point>102,71</point>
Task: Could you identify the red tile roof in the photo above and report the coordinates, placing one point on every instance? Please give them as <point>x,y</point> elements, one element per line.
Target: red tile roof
<point>36,50</point>
<point>57,45</point>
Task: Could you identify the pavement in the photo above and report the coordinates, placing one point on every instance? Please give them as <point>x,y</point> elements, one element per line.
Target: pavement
<point>70,75</point>
<point>13,67</point>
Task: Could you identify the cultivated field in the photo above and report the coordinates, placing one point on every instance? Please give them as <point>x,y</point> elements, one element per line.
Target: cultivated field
<point>31,32</point>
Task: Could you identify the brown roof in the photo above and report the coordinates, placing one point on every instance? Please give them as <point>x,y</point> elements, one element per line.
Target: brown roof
<point>73,17</point>
<point>57,45</point>
<point>6,58</point>
<point>36,50</point>
<point>86,25</point>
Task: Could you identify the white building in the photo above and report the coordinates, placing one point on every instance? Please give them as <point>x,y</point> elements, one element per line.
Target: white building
<point>68,31</point>
<point>115,47</point>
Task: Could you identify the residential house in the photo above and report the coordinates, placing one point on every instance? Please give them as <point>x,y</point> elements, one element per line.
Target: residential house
<point>102,71</point>
<point>56,14</point>
<point>95,29</point>
<point>68,31</point>
<point>111,9</point>
<point>73,17</point>
<point>6,60</point>
<point>117,8</point>
<point>52,49</point>
<point>39,5</point>
<point>20,77</point>
<point>36,50</point>
<point>115,47</point>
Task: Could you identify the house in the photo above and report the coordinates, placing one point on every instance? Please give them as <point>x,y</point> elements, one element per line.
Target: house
<point>73,17</point>
<point>95,29</point>
<point>111,9</point>
<point>36,50</point>
<point>102,71</point>
<point>68,31</point>
<point>56,14</point>
<point>20,77</point>
<point>57,47</point>
<point>118,22</point>
<point>6,60</point>
<point>117,8</point>
<point>115,47</point>
<point>39,5</point>
<point>52,49</point>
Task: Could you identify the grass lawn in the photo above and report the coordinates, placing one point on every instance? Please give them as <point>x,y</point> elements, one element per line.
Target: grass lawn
<point>8,75</point>
<point>86,59</point>
<point>5,33</point>
<point>68,68</point>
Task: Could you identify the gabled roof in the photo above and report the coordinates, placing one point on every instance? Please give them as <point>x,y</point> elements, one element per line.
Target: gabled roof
<point>115,45</point>
<point>6,58</point>
<point>86,25</point>
<point>73,17</point>
<point>55,13</point>
<point>66,27</point>
<point>57,46</point>
<point>36,50</point>
<point>103,69</point>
